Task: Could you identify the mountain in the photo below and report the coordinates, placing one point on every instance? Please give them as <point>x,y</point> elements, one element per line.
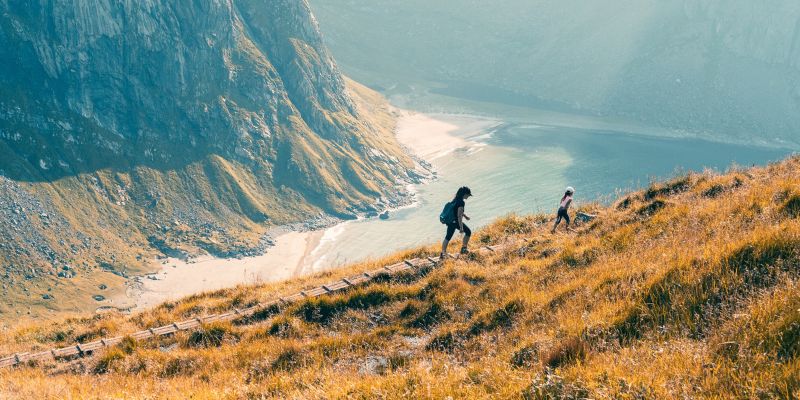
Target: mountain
<point>136,128</point>
<point>727,70</point>
<point>686,289</point>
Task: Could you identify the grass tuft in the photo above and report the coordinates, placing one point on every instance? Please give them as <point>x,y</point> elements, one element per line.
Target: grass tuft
<point>569,351</point>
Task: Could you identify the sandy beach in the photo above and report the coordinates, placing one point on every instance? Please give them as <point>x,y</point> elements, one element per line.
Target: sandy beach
<point>178,278</point>
<point>431,136</point>
<point>298,253</point>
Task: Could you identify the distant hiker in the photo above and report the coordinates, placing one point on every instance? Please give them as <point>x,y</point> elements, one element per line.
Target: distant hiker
<point>563,208</point>
<point>453,216</point>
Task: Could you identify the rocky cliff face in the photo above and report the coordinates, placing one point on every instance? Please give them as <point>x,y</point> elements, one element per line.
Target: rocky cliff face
<point>174,124</point>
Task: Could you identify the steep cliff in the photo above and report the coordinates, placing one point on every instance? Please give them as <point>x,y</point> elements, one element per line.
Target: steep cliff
<point>127,126</point>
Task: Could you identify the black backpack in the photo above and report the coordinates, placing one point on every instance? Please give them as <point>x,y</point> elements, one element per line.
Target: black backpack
<point>446,216</point>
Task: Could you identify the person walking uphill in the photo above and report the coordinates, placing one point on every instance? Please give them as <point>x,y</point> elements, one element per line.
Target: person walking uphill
<point>453,216</point>
<point>563,208</point>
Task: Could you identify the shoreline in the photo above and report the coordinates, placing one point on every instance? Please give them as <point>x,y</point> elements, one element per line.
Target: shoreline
<point>297,252</point>
<point>178,278</point>
<point>432,136</point>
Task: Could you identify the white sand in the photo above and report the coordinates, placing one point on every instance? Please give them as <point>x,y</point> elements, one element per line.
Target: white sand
<point>433,136</point>
<point>178,278</point>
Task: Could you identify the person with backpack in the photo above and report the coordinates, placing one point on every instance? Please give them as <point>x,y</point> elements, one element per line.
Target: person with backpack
<point>453,216</point>
<point>563,208</point>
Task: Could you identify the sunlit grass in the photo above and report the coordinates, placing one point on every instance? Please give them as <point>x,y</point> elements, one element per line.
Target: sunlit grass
<point>694,298</point>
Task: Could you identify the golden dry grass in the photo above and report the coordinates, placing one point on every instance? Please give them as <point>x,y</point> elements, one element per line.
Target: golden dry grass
<point>688,289</point>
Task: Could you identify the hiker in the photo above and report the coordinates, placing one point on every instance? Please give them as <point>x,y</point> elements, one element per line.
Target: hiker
<point>453,216</point>
<point>563,208</point>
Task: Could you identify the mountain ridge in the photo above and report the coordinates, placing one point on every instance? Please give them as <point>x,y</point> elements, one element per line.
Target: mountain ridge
<point>133,129</point>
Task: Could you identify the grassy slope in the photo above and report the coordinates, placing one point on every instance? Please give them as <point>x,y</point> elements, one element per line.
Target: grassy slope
<point>687,289</point>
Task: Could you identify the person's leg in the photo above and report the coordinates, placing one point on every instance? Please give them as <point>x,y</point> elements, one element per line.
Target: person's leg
<point>558,221</point>
<point>467,235</point>
<point>451,229</point>
<point>566,218</point>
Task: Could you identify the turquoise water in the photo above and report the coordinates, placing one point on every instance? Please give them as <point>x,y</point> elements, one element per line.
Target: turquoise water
<point>524,169</point>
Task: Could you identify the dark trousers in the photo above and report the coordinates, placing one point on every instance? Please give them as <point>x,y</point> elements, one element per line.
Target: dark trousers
<point>453,227</point>
<point>562,213</point>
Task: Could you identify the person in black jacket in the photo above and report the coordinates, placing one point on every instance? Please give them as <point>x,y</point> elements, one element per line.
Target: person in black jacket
<point>457,221</point>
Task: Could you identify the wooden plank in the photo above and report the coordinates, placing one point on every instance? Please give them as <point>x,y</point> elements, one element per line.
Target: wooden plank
<point>66,351</point>
<point>22,357</point>
<point>344,283</point>
<point>426,264</point>
<point>323,289</point>
<point>141,335</point>
<point>6,358</point>
<point>8,361</point>
<point>188,324</point>
<point>230,315</point>
<point>401,266</point>
<point>251,310</point>
<point>422,262</point>
<point>42,355</point>
<point>164,330</point>
<point>316,292</point>
<point>433,260</point>
<point>292,298</point>
<point>336,286</point>
<point>358,279</point>
<point>264,306</point>
<point>91,346</point>
<point>209,318</point>
<point>111,341</point>
<point>374,273</point>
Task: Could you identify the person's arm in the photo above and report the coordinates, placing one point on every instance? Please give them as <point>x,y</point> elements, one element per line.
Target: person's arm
<point>461,219</point>
<point>569,203</point>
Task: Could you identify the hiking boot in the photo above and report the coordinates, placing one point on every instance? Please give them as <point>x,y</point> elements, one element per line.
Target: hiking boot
<point>464,250</point>
<point>443,256</point>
